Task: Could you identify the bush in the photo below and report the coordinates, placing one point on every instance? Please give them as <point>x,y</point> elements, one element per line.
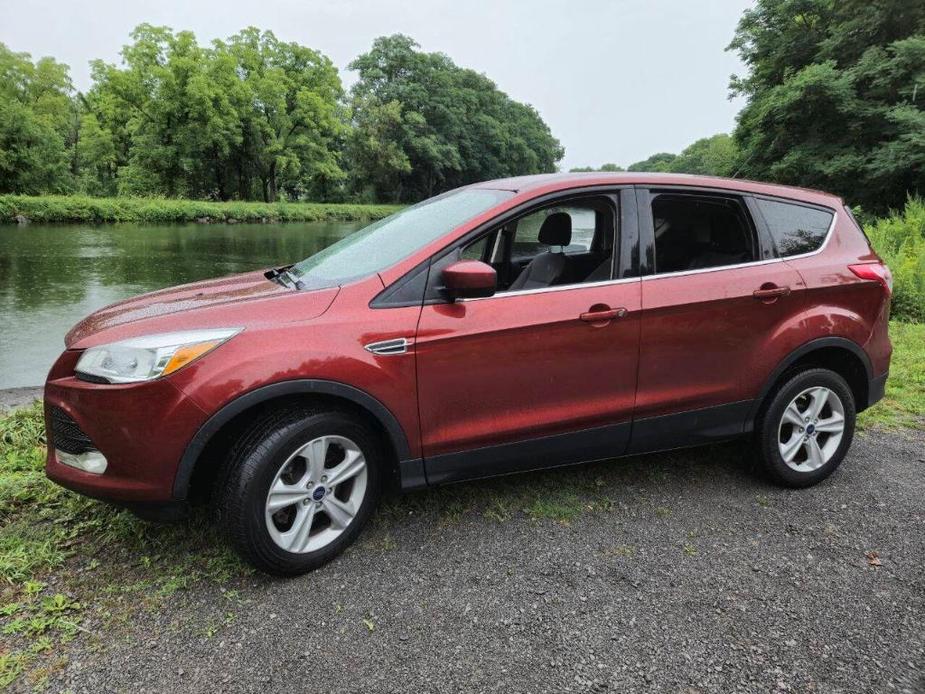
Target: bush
<point>78,208</point>
<point>900,240</point>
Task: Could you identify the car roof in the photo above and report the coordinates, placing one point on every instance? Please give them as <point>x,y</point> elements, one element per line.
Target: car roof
<point>546,183</point>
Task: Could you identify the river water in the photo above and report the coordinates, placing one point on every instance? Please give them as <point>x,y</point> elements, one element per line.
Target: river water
<point>52,276</point>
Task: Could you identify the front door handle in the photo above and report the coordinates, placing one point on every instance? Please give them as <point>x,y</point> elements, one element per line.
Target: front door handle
<point>770,293</point>
<point>601,315</point>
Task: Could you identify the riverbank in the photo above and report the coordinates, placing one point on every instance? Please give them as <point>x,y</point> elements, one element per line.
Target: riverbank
<point>65,209</point>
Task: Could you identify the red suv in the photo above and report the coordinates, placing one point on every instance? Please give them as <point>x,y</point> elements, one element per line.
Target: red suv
<point>505,326</point>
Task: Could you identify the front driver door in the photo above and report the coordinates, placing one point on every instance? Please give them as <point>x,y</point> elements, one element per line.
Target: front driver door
<point>546,376</point>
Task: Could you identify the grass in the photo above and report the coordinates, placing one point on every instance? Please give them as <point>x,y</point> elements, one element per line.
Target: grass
<point>61,554</point>
<point>904,402</point>
<point>71,567</point>
<point>49,209</point>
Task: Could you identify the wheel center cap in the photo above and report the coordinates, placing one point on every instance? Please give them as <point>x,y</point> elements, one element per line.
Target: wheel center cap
<point>810,429</point>
<point>318,493</point>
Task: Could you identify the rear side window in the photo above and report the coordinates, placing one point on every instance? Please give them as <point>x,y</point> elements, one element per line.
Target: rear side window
<point>696,232</point>
<point>795,229</point>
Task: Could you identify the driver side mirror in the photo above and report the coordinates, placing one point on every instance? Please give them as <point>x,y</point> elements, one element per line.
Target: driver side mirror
<point>468,279</point>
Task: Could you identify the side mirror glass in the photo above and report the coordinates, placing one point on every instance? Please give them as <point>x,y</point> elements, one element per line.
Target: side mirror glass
<point>467,279</point>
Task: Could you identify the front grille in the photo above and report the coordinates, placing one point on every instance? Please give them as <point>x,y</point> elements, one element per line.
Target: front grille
<point>67,435</point>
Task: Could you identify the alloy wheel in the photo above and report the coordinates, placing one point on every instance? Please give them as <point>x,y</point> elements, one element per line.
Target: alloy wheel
<point>811,429</point>
<point>316,493</point>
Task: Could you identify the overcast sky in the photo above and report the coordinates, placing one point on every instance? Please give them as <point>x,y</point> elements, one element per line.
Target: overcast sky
<point>616,80</point>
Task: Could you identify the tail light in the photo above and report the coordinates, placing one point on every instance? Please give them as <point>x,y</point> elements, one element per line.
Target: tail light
<point>876,272</point>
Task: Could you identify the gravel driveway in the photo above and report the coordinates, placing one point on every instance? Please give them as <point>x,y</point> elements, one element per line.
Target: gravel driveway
<point>11,398</point>
<point>697,577</point>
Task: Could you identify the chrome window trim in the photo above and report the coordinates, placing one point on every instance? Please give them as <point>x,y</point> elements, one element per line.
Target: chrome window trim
<point>544,290</point>
<point>680,273</point>
<point>828,236</point>
<point>493,258</point>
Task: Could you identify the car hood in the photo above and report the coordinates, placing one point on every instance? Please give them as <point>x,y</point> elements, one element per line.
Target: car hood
<point>196,299</point>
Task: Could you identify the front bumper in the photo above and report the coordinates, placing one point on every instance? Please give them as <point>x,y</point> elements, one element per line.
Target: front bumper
<point>142,429</point>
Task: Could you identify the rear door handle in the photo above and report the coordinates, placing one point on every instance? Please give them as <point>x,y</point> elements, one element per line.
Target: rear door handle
<point>770,292</point>
<point>602,315</point>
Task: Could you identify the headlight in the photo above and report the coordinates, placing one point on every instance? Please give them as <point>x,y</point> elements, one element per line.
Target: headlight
<point>149,357</point>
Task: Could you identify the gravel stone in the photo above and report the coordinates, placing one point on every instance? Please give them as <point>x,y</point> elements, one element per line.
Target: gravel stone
<point>742,587</point>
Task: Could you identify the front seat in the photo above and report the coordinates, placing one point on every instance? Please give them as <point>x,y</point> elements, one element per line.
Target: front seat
<point>547,268</point>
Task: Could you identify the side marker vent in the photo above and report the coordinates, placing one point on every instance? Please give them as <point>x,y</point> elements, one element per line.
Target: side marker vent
<point>389,347</point>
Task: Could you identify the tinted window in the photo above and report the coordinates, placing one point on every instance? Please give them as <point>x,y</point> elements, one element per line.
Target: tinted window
<point>389,240</point>
<point>694,232</point>
<point>795,229</point>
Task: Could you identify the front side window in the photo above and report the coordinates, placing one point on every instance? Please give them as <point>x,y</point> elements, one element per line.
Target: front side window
<point>382,244</point>
<point>696,232</point>
<point>527,243</point>
<point>559,244</point>
<point>795,228</point>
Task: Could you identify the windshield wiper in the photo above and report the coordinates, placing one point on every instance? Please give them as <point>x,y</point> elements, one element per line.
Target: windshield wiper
<point>282,276</point>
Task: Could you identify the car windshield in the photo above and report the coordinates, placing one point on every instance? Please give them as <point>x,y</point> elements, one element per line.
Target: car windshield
<point>383,243</point>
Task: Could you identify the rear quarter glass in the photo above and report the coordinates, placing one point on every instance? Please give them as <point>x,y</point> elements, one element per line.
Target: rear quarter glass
<point>795,229</point>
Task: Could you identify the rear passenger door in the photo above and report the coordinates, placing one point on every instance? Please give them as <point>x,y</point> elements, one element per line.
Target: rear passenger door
<point>713,295</point>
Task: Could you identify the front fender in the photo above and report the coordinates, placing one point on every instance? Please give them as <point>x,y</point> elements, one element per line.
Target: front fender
<point>268,392</point>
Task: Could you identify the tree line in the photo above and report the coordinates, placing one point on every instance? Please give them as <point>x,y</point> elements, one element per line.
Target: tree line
<point>834,100</point>
<point>711,156</point>
<point>255,118</point>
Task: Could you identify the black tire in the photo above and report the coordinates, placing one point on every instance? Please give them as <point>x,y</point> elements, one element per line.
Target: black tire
<point>768,425</point>
<point>241,490</point>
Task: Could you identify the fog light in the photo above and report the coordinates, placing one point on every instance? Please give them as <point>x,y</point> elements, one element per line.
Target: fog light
<point>91,461</point>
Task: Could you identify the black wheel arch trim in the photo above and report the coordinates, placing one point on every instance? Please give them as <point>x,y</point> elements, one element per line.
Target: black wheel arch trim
<point>802,351</point>
<point>307,386</point>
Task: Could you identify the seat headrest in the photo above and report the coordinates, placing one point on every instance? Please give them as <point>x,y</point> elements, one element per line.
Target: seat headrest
<point>556,230</point>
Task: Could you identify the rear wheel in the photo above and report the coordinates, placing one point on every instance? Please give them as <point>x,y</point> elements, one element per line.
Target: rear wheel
<point>299,488</point>
<point>807,428</point>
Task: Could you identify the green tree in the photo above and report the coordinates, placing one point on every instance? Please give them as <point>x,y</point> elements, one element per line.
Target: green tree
<point>37,124</point>
<point>97,157</point>
<point>247,117</point>
<point>656,163</point>
<point>293,117</point>
<point>603,167</point>
<point>835,96</point>
<point>165,100</point>
<point>374,148</point>
<point>421,125</point>
<point>709,156</point>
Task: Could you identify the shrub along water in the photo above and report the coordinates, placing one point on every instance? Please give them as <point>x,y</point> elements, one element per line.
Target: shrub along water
<point>78,208</point>
<point>900,240</point>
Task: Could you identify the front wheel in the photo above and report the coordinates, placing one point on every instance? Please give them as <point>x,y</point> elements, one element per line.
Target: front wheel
<point>299,488</point>
<point>807,428</point>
